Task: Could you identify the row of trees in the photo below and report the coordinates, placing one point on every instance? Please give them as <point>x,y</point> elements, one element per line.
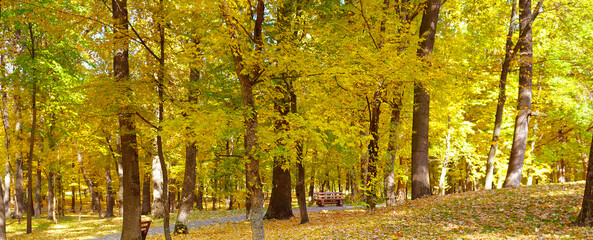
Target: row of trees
<point>231,99</point>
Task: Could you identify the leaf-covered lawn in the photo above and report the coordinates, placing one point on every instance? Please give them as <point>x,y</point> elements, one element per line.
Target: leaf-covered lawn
<point>533,212</point>
<point>90,226</point>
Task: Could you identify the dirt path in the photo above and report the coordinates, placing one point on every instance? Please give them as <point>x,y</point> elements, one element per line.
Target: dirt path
<point>160,230</point>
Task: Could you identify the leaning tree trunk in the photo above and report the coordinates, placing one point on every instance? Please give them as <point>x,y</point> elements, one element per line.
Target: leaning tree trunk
<point>514,172</point>
<point>585,217</point>
<point>189,177</point>
<point>420,167</point>
<point>501,99</point>
<point>127,127</point>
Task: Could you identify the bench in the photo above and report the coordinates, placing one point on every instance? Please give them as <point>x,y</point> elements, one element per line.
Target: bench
<point>144,226</point>
<point>321,198</point>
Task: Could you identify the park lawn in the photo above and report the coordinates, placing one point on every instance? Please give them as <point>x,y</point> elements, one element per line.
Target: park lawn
<point>90,226</point>
<point>532,212</point>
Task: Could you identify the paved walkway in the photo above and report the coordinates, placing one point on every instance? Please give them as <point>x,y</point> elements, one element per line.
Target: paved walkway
<point>161,230</point>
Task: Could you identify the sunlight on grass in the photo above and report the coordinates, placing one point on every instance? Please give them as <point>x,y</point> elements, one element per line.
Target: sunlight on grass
<point>534,212</point>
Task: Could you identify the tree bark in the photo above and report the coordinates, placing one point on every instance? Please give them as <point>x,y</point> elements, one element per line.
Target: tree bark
<point>146,194</point>
<point>158,210</point>
<point>7,168</point>
<point>585,217</point>
<point>51,198</point>
<point>110,193</point>
<point>420,167</point>
<point>94,196</point>
<point>514,172</point>
<point>38,192</point>
<point>444,169</point>
<point>501,99</point>
<point>73,203</point>
<point>392,148</point>
<point>18,179</point>
<point>127,127</point>
<point>247,81</point>
<point>300,186</point>
<point>189,177</point>
<point>200,197</point>
<point>373,149</point>
<point>30,211</point>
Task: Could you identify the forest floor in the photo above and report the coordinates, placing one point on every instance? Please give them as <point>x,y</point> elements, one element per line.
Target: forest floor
<point>531,212</point>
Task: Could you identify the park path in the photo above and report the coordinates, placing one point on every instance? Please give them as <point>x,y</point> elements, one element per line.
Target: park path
<point>160,230</point>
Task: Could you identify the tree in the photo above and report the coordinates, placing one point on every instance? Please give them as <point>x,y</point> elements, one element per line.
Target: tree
<point>420,168</point>
<point>131,173</point>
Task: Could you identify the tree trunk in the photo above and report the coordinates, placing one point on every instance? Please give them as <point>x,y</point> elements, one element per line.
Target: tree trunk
<point>110,193</point>
<point>392,148</point>
<point>501,99</point>
<point>189,177</point>
<point>7,168</point>
<point>146,194</point>
<point>444,168</point>
<point>51,201</point>
<point>514,172</point>
<point>200,197</point>
<point>420,167</point>
<point>280,201</point>
<point>73,203</point>
<point>18,188</point>
<point>300,186</point>
<point>247,81</point>
<point>158,210</point>
<point>127,127</point>
<point>585,217</point>
<point>37,207</point>
<point>373,149</point>
<point>91,186</point>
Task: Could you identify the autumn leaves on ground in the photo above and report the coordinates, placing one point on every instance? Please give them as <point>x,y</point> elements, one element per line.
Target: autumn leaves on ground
<point>530,212</point>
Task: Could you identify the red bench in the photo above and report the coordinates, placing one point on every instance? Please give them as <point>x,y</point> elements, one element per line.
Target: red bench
<point>321,198</point>
<point>144,226</point>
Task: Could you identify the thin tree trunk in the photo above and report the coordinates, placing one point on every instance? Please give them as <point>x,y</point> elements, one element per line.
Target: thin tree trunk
<point>444,168</point>
<point>146,194</point>
<point>73,203</point>
<point>38,191</point>
<point>514,172</point>
<point>501,99</point>
<point>200,197</point>
<point>7,178</point>
<point>392,148</point>
<point>110,197</point>
<point>94,196</point>
<point>30,211</point>
<point>7,168</point>
<point>420,167</point>
<point>51,211</point>
<point>189,177</point>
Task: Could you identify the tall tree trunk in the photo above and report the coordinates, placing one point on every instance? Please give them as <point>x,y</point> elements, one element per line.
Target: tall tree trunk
<point>200,197</point>
<point>146,194</point>
<point>444,168</point>
<point>189,177</point>
<point>30,211</point>
<point>501,98</point>
<point>373,149</point>
<point>514,172</point>
<point>392,148</point>
<point>420,167</point>
<point>127,127</point>
<point>300,184</point>
<point>51,201</point>
<point>7,168</point>
<point>247,81</point>
<point>110,193</point>
<point>2,212</point>
<point>18,179</point>
<point>158,209</point>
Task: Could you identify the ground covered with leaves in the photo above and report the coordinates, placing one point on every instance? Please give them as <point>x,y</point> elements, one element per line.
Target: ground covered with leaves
<point>531,212</point>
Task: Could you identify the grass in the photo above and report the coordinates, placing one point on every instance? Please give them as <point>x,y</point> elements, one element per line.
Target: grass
<point>533,212</point>
<point>90,226</point>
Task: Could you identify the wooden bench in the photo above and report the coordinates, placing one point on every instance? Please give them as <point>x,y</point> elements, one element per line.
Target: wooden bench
<point>144,226</point>
<point>321,198</point>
